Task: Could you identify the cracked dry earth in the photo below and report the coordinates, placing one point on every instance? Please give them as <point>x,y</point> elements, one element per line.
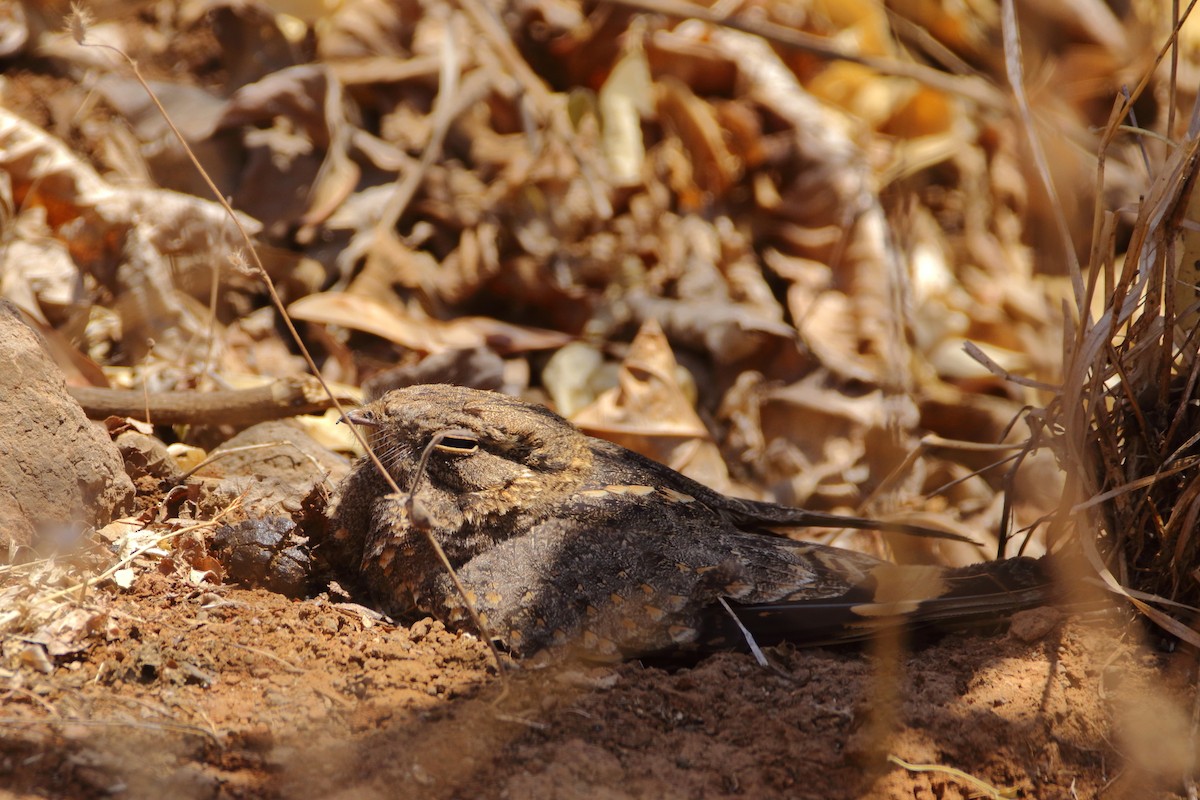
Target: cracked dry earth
<point>245,694</point>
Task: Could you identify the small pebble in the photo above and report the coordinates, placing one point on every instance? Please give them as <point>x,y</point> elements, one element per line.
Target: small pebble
<point>1033,624</point>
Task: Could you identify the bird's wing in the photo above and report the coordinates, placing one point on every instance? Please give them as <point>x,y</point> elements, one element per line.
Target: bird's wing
<point>618,575</point>
<point>617,465</point>
<point>612,575</point>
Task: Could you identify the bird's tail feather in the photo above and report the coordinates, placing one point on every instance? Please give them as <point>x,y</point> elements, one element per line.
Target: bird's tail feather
<point>901,596</point>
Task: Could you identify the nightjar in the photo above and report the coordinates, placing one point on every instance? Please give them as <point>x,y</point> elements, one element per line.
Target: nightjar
<point>566,541</point>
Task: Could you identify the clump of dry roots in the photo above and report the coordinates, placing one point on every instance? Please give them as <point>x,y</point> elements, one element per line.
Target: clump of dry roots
<point>1130,407</point>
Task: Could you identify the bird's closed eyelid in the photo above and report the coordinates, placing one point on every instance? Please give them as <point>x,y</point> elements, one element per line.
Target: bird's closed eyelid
<point>458,442</point>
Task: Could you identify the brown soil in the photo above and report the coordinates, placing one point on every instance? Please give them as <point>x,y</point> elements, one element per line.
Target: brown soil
<point>234,693</point>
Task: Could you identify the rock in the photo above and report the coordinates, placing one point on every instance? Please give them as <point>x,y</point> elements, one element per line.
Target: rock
<point>1033,624</point>
<point>147,457</point>
<point>59,472</point>
<point>273,467</point>
<point>264,552</point>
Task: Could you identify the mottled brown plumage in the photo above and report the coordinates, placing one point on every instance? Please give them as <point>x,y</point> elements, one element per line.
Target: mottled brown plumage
<point>562,539</point>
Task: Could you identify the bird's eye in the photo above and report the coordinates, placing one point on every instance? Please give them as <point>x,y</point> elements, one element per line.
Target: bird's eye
<point>457,443</point>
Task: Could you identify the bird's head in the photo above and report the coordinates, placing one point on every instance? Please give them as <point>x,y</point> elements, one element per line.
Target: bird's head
<point>474,444</point>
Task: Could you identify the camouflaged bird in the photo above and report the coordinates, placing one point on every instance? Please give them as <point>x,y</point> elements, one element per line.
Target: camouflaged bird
<point>563,540</point>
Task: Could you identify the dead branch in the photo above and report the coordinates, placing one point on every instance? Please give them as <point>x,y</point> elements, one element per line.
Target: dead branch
<point>239,407</point>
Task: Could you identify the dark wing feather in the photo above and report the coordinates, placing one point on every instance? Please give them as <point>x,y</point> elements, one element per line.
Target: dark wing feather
<point>897,595</point>
<point>615,464</point>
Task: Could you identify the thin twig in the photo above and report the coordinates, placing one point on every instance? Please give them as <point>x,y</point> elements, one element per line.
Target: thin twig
<point>287,665</point>
<point>975,783</point>
<point>970,87</point>
<point>177,727</point>
<point>1016,80</point>
<point>95,579</point>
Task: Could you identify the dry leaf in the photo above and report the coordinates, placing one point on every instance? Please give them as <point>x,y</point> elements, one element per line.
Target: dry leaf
<point>575,375</point>
<point>187,457</point>
<point>69,633</point>
<point>694,121</point>
<point>426,335</point>
<point>624,99</point>
<point>199,577</point>
<point>652,413</point>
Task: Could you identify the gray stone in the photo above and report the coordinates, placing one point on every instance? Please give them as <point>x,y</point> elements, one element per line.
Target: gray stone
<point>59,472</point>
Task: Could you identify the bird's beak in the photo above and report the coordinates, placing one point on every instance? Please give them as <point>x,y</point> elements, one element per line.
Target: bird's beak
<point>361,417</point>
